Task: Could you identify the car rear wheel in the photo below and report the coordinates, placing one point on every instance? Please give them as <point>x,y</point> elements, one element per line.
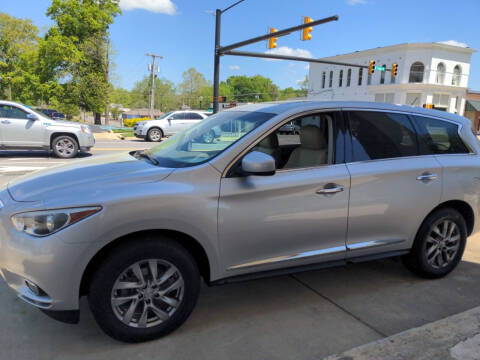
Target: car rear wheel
<point>154,134</point>
<point>144,290</point>
<point>439,244</point>
<point>65,146</point>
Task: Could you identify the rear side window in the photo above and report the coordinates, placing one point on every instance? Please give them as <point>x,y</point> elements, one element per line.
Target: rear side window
<point>194,116</point>
<point>439,137</point>
<point>381,135</point>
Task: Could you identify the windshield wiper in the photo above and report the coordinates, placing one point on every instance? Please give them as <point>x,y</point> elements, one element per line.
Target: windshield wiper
<point>144,155</point>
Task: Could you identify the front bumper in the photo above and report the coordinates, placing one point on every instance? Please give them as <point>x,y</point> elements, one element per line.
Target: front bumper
<point>86,141</point>
<point>140,132</point>
<point>55,263</point>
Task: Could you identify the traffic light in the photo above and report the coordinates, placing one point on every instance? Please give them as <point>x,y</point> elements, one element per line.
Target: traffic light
<point>394,69</point>
<point>371,67</point>
<point>272,42</point>
<point>306,33</point>
<point>429,106</point>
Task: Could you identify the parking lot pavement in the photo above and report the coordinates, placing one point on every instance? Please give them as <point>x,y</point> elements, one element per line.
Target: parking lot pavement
<point>304,316</point>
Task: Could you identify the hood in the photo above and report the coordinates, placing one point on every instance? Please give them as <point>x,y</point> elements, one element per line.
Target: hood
<point>85,175</point>
<point>66,123</point>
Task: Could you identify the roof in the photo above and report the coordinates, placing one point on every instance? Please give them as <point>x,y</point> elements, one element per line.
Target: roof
<point>407,45</point>
<point>472,105</point>
<point>284,107</point>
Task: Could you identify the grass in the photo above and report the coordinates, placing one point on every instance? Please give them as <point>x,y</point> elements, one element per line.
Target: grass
<point>124,132</point>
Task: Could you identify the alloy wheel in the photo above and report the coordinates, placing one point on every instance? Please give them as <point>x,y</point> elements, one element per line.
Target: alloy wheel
<point>147,293</point>
<point>65,147</point>
<point>155,135</point>
<point>443,243</point>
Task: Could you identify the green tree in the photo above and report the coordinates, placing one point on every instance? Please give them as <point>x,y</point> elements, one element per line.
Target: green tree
<point>75,50</point>
<point>253,88</point>
<point>192,86</point>
<point>18,57</point>
<point>165,97</point>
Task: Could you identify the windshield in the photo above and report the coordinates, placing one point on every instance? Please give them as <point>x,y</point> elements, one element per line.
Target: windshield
<point>206,139</point>
<point>39,113</point>
<point>164,115</point>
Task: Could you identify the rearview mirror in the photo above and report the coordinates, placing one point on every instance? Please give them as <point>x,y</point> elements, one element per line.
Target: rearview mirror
<point>32,117</point>
<point>259,164</point>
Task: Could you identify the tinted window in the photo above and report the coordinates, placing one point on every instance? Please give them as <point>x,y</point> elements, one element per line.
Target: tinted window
<point>178,116</point>
<point>194,116</point>
<point>439,137</point>
<point>12,112</point>
<point>379,135</point>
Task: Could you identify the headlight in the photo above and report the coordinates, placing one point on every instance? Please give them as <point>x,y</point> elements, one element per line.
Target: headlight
<point>43,223</point>
<point>85,129</point>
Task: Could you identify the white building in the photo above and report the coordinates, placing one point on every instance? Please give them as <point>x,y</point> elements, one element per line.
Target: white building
<point>428,73</point>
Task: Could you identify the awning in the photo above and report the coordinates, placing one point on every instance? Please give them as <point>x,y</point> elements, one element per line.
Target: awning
<point>472,105</point>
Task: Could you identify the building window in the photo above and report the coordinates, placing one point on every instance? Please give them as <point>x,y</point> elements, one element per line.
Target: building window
<point>330,80</point>
<point>457,75</point>
<point>440,73</point>
<point>382,75</point>
<point>360,76</point>
<point>324,75</point>
<point>416,72</point>
<point>441,101</point>
<point>349,76</point>
<point>340,78</point>
<point>385,98</point>
<point>413,99</point>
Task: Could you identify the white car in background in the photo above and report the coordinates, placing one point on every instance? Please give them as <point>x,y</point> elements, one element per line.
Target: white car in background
<point>169,124</point>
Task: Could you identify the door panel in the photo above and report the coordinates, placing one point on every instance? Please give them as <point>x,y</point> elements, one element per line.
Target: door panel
<point>175,122</point>
<point>17,130</point>
<point>267,222</point>
<point>388,203</point>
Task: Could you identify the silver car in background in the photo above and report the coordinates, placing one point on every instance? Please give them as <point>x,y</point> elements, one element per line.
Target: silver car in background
<point>24,128</point>
<point>360,181</point>
<point>168,124</point>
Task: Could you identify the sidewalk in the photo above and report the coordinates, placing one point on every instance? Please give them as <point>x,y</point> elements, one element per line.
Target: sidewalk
<point>456,337</point>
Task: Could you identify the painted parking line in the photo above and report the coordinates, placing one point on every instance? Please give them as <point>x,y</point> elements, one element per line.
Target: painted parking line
<point>115,149</point>
<point>10,169</point>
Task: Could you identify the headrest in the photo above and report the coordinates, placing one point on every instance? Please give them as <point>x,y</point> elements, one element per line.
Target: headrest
<point>312,138</point>
<point>270,142</point>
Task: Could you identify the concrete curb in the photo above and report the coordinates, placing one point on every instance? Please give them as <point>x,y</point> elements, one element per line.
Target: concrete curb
<point>108,136</point>
<point>455,337</point>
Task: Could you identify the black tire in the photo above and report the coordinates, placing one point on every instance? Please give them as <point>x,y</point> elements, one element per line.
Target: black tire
<point>417,261</point>
<point>65,147</point>
<point>104,279</point>
<point>151,135</point>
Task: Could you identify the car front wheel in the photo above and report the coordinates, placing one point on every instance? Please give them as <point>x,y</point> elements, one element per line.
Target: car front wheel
<point>144,290</point>
<point>154,134</point>
<point>439,244</point>
<point>65,146</point>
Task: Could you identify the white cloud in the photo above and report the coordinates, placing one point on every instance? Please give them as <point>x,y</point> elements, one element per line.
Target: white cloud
<point>234,67</point>
<point>158,6</point>
<point>356,2</point>
<point>285,50</point>
<point>454,43</point>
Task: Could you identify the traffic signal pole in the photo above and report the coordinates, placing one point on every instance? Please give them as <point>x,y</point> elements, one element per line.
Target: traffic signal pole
<point>216,64</point>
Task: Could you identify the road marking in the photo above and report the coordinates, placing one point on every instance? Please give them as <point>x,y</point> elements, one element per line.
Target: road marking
<point>115,149</point>
<point>7,169</point>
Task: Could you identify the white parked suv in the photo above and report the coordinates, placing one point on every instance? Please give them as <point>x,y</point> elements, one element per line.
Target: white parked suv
<point>169,124</point>
<point>24,128</point>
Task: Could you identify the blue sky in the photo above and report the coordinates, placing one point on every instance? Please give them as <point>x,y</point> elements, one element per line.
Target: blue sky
<point>183,32</point>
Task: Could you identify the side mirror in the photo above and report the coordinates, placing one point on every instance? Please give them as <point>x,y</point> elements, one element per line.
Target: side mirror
<point>259,164</point>
<point>32,117</point>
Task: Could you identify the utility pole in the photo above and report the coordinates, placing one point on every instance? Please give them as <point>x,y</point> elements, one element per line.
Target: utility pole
<point>107,82</point>
<point>152,91</point>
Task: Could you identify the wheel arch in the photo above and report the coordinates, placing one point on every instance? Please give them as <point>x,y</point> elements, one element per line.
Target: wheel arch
<point>156,127</point>
<point>463,208</point>
<point>188,242</point>
<point>56,134</point>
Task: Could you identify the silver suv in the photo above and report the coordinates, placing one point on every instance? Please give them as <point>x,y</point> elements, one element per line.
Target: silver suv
<point>24,128</point>
<point>168,124</point>
<point>136,232</point>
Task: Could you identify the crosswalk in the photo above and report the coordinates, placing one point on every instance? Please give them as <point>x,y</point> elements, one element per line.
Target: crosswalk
<point>20,166</point>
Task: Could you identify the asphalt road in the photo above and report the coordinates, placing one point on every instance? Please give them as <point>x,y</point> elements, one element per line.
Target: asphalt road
<point>303,316</point>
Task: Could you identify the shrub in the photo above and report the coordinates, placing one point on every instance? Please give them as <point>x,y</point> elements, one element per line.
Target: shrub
<point>131,122</point>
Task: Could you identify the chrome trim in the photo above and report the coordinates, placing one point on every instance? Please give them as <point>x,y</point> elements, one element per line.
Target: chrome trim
<point>302,255</point>
<point>42,302</point>
<point>374,243</point>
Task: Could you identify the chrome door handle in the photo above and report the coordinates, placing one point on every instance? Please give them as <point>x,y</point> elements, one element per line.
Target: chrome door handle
<point>5,122</point>
<point>426,177</point>
<point>330,189</point>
